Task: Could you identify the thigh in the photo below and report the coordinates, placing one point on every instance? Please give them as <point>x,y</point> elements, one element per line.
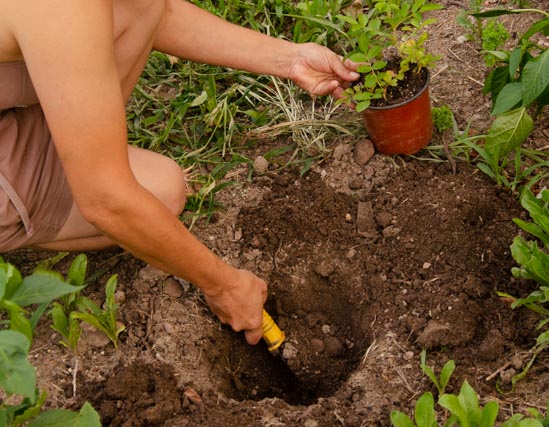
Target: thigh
<point>34,193</point>
<point>157,173</point>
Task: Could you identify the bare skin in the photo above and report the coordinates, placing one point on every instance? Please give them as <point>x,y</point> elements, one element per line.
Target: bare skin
<point>132,199</point>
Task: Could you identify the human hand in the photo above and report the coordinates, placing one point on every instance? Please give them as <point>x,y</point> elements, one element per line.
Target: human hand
<point>320,71</point>
<point>240,303</point>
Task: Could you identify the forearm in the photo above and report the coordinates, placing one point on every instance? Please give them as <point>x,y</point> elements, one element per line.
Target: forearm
<point>192,33</point>
<point>141,224</point>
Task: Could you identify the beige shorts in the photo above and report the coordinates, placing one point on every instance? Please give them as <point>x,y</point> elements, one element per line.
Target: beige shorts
<point>35,199</point>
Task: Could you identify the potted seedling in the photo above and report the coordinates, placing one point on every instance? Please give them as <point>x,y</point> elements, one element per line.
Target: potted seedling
<point>388,41</point>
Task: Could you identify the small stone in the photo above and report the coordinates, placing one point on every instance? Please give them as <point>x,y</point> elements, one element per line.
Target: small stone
<point>350,253</point>
<point>365,222</point>
<point>426,265</point>
<point>334,348</point>
<point>119,297</point>
<point>341,150</point>
<point>317,345</point>
<point>409,355</point>
<point>172,288</point>
<point>325,268</point>
<point>507,376</point>
<point>391,231</point>
<point>461,39</point>
<point>151,273</point>
<point>168,327</point>
<point>93,337</point>
<point>348,217</point>
<point>364,151</point>
<point>517,362</point>
<point>289,351</point>
<point>384,219</point>
<point>326,329</point>
<point>260,165</point>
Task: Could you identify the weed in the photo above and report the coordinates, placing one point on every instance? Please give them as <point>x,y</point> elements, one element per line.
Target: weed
<point>464,408</point>
<point>17,375</point>
<point>443,118</point>
<point>534,265</point>
<point>445,374</point>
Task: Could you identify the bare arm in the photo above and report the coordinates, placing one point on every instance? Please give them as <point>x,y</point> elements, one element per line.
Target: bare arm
<point>71,65</point>
<point>192,33</point>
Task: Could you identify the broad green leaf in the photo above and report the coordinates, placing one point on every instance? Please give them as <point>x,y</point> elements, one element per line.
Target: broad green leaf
<point>50,262</point>
<point>508,132</point>
<point>452,403</point>
<point>509,97</point>
<point>77,270</point>
<point>358,57</point>
<point>110,289</point>
<point>200,99</point>
<point>361,106</point>
<point>493,13</point>
<point>496,81</point>
<point>489,414</point>
<point>60,320</point>
<point>10,278</point>
<point>535,78</point>
<point>17,375</point>
<point>41,287</point>
<point>400,419</point>
<point>31,410</point>
<point>469,401</point>
<point>20,323</point>
<point>424,413</point>
<point>534,261</point>
<point>539,26</point>
<point>87,417</point>
<point>514,60</point>
<point>533,229</point>
<point>446,373</point>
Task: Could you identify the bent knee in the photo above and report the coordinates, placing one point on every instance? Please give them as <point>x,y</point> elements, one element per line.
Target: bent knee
<point>176,180</point>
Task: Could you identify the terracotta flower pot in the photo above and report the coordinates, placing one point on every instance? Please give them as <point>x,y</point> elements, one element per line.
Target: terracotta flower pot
<point>402,128</point>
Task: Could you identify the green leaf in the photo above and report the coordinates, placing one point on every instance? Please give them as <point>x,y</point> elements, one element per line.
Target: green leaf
<point>493,13</point>
<point>17,375</point>
<point>425,414</point>
<point>489,414</point>
<point>535,78</point>
<point>538,26</point>
<point>508,132</point>
<point>533,229</point>
<point>77,270</point>
<point>50,262</point>
<point>514,60</point>
<point>509,97</point>
<point>87,417</point>
<point>60,320</point>
<point>20,323</point>
<point>200,99</point>
<point>41,287</point>
<point>10,278</point>
<point>451,402</point>
<point>446,373</point>
<point>361,106</point>
<point>469,401</point>
<point>496,81</point>
<point>400,419</point>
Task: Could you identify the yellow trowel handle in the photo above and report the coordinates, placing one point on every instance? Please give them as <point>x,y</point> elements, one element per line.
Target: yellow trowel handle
<point>272,334</point>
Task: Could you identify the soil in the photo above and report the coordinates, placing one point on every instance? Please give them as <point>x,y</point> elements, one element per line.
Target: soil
<point>367,265</point>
